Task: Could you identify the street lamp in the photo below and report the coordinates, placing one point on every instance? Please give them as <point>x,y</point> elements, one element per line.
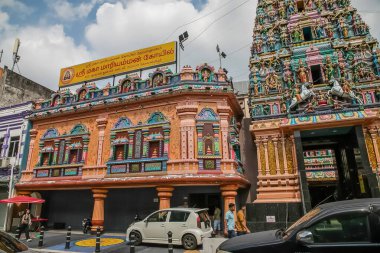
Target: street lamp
<point>182,38</point>
<point>221,54</point>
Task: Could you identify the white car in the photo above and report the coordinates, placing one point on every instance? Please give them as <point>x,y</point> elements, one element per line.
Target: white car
<point>188,226</point>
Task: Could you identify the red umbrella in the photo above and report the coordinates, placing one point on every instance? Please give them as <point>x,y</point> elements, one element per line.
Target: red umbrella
<point>23,200</point>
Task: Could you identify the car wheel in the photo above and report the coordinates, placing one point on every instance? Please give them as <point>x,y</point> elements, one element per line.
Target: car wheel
<point>189,242</point>
<point>138,237</point>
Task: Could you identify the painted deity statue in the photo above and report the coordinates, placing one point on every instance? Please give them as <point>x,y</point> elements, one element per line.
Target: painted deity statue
<point>329,30</point>
<point>284,36</point>
<point>271,40</point>
<point>297,34</point>
<point>288,75</point>
<point>319,5</point>
<point>329,68</point>
<point>302,72</point>
<point>343,27</point>
<point>272,82</point>
<point>258,45</point>
<point>319,30</point>
<point>330,4</point>
<point>255,84</point>
<point>291,9</point>
<point>282,11</point>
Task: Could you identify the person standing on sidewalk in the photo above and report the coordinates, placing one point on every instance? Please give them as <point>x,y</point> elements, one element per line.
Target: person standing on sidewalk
<point>229,221</point>
<point>241,222</point>
<point>217,214</point>
<point>26,221</point>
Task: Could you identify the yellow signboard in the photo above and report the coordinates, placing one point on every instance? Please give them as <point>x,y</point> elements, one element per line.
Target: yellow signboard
<point>159,55</point>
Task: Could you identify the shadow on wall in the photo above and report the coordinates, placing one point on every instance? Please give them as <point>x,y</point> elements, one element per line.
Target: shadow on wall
<point>249,158</point>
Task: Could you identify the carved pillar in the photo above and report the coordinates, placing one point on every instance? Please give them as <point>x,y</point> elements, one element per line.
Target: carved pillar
<point>166,130</point>
<point>216,128</point>
<point>131,135</point>
<point>40,146</point>
<point>98,211</point>
<point>56,147</point>
<point>164,193</point>
<point>67,151</point>
<point>275,142</point>
<point>86,140</point>
<point>373,133</point>
<point>294,155</point>
<point>199,139</point>
<point>265,142</point>
<point>186,112</point>
<point>101,124</point>
<point>284,155</point>
<point>225,113</point>
<point>145,134</point>
<point>229,193</point>
<point>258,143</point>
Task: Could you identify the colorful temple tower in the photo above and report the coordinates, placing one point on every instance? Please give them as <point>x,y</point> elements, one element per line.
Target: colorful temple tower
<point>142,145</point>
<point>314,100</point>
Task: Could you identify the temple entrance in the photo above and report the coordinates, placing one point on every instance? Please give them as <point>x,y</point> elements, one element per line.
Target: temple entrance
<point>333,166</point>
<point>209,201</point>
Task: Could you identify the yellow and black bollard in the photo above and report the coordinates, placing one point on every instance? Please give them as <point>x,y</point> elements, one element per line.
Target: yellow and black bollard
<point>41,239</point>
<point>170,242</point>
<point>18,233</point>
<point>97,243</point>
<point>68,238</point>
<point>133,241</point>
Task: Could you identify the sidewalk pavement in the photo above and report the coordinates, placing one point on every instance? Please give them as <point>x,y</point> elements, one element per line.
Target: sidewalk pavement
<point>54,242</point>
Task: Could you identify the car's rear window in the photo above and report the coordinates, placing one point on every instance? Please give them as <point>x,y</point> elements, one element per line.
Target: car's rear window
<point>203,215</point>
<point>178,216</point>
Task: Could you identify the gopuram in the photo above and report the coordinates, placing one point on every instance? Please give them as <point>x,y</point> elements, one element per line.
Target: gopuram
<point>314,100</point>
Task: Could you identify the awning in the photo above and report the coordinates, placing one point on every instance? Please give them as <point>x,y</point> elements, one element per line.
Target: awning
<point>22,200</point>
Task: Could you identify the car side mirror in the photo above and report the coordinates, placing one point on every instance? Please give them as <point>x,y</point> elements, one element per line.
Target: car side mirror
<point>305,237</point>
<point>146,221</point>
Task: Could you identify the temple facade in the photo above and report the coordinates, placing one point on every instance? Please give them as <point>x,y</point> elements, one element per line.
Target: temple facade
<point>314,101</point>
<point>111,153</point>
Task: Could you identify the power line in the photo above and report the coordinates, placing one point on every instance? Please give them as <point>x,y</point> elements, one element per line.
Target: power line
<point>233,52</point>
<point>216,20</point>
<point>197,19</point>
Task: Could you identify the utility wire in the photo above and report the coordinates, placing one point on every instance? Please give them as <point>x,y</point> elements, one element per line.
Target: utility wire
<point>197,19</point>
<point>233,52</point>
<point>216,20</point>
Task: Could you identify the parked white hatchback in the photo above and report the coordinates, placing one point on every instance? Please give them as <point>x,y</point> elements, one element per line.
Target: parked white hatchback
<point>188,226</point>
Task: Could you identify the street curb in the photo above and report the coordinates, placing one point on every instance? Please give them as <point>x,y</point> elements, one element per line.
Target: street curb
<point>52,251</point>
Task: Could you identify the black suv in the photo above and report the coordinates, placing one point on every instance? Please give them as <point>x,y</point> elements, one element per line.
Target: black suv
<point>345,226</point>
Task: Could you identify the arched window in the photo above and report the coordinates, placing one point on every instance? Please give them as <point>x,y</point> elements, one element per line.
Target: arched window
<point>208,139</point>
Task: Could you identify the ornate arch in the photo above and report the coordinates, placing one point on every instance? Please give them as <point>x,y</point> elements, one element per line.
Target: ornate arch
<point>50,133</point>
<point>79,129</point>
<point>123,122</point>
<point>207,114</point>
<point>157,117</point>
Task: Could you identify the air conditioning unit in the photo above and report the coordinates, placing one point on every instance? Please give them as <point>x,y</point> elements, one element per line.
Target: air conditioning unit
<point>5,161</point>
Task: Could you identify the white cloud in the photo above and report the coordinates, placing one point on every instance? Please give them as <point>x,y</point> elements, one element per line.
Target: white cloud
<point>136,24</point>
<point>133,24</point>
<point>69,12</point>
<point>43,51</point>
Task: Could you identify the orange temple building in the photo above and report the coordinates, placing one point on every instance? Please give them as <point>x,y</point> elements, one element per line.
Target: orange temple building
<point>132,148</point>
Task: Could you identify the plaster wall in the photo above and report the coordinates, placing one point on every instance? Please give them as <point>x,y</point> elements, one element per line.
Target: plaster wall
<point>17,89</point>
<point>136,113</point>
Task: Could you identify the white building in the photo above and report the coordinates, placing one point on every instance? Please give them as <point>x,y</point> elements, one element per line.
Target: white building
<point>14,132</point>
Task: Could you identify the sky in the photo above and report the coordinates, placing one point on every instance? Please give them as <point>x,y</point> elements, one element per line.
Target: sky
<point>59,33</point>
